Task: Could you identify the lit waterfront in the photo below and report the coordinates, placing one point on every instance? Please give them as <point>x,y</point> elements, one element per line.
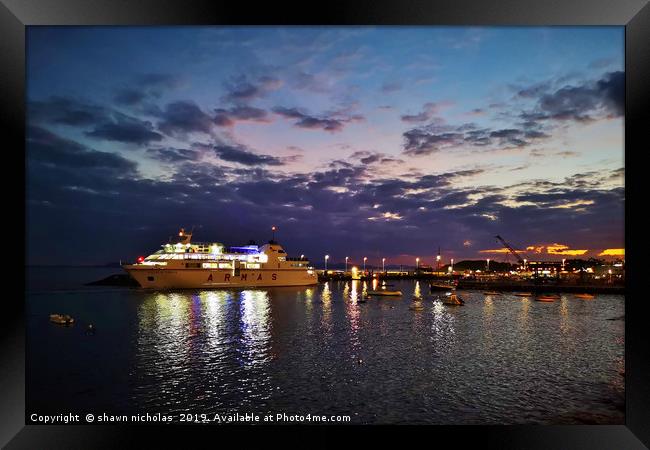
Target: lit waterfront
<point>498,359</point>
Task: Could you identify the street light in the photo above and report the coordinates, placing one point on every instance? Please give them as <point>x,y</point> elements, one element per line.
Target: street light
<point>452,264</point>
<point>326,258</point>
<point>488,264</point>
<point>302,256</point>
<point>563,259</point>
<point>383,264</point>
<point>273,230</point>
<point>364,263</point>
<point>525,260</point>
<point>438,261</point>
<point>417,263</point>
<point>346,264</point>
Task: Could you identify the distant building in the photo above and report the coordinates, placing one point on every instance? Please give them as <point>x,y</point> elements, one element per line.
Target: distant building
<point>544,268</point>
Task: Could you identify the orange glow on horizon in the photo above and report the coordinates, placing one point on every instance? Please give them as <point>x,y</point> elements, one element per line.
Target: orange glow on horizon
<point>561,249</point>
<point>550,249</point>
<point>612,252</point>
<point>496,250</point>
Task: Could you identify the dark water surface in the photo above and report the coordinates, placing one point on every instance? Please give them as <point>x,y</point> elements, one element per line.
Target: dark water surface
<point>498,359</point>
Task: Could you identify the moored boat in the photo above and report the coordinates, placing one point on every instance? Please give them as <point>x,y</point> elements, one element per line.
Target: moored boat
<point>453,300</point>
<point>61,319</point>
<point>441,287</point>
<point>523,294</point>
<point>585,296</point>
<point>384,292</point>
<point>183,264</point>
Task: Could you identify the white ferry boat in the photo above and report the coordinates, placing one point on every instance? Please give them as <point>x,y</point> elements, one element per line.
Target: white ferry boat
<point>183,264</point>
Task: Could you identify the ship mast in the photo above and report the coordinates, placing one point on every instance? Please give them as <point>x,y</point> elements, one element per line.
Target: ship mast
<point>184,236</point>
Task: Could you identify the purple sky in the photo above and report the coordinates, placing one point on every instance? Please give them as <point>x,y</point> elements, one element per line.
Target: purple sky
<point>353,141</point>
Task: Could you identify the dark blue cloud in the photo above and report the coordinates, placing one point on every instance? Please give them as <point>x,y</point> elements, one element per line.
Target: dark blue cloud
<point>438,135</point>
<point>328,122</point>
<point>227,117</point>
<point>123,128</point>
<point>101,122</point>
<point>173,155</point>
<point>367,157</point>
<point>66,111</point>
<point>182,117</point>
<point>582,102</point>
<point>48,148</point>
<point>427,113</point>
<point>243,156</point>
<point>146,86</point>
<point>242,89</point>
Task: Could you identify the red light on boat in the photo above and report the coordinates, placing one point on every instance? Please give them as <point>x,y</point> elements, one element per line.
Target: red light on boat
<point>140,259</point>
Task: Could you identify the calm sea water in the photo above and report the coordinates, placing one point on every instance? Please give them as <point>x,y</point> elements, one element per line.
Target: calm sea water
<point>497,360</point>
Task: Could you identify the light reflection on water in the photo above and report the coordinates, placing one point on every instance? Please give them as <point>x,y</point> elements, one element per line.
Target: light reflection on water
<point>353,313</point>
<point>564,314</point>
<point>498,359</point>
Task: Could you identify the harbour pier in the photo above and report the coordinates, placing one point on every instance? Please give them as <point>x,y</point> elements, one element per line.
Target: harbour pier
<point>485,283</point>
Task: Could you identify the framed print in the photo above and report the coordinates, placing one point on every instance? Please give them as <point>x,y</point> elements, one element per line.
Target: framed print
<point>372,216</point>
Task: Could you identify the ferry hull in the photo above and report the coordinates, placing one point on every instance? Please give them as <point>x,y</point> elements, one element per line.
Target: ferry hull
<point>163,278</point>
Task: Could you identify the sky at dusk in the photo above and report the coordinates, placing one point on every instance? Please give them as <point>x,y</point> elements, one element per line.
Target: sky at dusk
<point>353,141</point>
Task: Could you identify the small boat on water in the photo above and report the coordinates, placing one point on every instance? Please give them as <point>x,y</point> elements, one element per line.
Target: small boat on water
<point>547,298</point>
<point>384,292</point>
<point>453,300</point>
<point>491,293</point>
<point>523,294</point>
<point>441,287</point>
<point>585,296</point>
<point>61,319</point>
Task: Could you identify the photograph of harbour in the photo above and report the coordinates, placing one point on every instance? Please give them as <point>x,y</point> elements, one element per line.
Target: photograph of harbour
<point>344,225</point>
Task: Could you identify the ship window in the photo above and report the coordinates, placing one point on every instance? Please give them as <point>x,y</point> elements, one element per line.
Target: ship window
<point>192,265</point>
<point>225,266</point>
<point>149,278</point>
<point>252,266</point>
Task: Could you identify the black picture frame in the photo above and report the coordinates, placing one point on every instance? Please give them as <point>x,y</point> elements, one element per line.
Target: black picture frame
<point>16,15</point>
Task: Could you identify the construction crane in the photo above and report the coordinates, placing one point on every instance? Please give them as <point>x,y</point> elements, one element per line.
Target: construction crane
<point>510,249</point>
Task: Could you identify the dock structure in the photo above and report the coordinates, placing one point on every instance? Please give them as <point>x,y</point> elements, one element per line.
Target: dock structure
<point>388,275</point>
<point>549,285</point>
<point>589,288</point>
